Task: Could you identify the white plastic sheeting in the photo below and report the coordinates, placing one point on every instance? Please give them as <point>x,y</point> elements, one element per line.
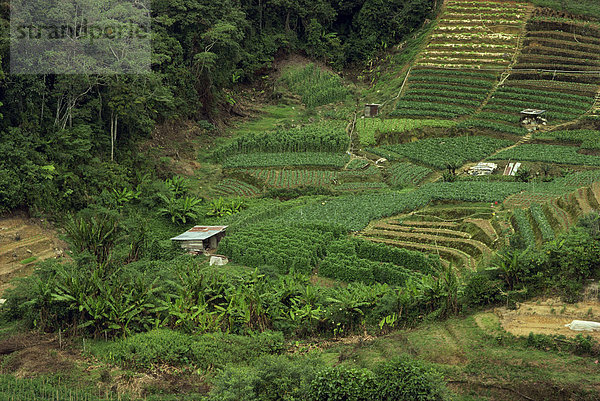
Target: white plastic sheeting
<point>583,325</point>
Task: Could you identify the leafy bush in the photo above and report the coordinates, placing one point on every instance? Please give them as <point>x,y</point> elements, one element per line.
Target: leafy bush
<point>405,379</point>
<point>341,383</point>
<point>207,351</point>
<point>270,378</point>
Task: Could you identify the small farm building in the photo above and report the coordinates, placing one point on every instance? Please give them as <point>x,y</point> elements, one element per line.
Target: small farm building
<point>532,116</point>
<point>201,238</point>
<point>371,110</point>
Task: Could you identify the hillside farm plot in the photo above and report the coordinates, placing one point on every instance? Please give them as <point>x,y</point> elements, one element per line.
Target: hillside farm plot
<point>475,34</point>
<point>369,129</point>
<point>442,93</point>
<point>461,235</point>
<point>293,178</point>
<point>360,186</point>
<point>438,152</point>
<point>233,187</point>
<point>553,73</point>
<point>548,154</point>
<point>587,139</point>
<point>287,159</point>
<point>325,136</point>
<point>407,174</point>
<point>446,81</point>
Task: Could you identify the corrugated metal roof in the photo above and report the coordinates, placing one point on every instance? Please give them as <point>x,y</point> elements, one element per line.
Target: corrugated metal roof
<point>199,233</point>
<point>533,111</point>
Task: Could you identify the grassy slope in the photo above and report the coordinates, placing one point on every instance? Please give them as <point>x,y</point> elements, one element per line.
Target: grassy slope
<point>480,361</point>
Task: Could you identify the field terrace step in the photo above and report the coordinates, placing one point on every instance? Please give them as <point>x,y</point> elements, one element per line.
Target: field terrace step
<point>595,189</point>
<point>555,217</point>
<point>486,227</point>
<point>582,199</point>
<point>451,255</point>
<point>419,223</point>
<point>422,230</point>
<point>472,247</point>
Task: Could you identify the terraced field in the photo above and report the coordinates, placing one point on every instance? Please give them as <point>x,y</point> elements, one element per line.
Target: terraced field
<point>293,178</point>
<point>447,80</point>
<point>233,187</point>
<point>554,72</point>
<point>462,235</point>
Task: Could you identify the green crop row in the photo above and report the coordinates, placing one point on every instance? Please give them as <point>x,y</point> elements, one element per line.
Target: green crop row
<point>551,98</point>
<point>524,227</point>
<point>293,178</point>
<point>450,88</point>
<point>283,246</point>
<point>491,125</point>
<point>347,268</point>
<point>355,211</point>
<point>327,136</point>
<point>360,186</point>
<point>540,219</point>
<point>407,174</point>
<point>432,71</point>
<point>423,97</point>
<point>316,86</point>
<point>369,128</point>
<point>510,118</point>
<point>446,93</point>
<point>233,187</point>
<point>431,106</point>
<point>551,115</point>
<point>439,152</point>
<point>546,84</point>
<point>579,179</point>
<point>540,92</point>
<point>547,154</point>
<point>577,136</point>
<point>538,105</point>
<point>420,112</point>
<point>286,159</point>
<point>453,80</point>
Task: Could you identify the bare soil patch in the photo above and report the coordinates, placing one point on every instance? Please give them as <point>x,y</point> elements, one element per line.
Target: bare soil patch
<point>25,241</point>
<point>549,316</point>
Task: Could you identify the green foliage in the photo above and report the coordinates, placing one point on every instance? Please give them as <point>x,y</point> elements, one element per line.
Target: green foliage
<point>316,86</point>
<point>397,379</point>
<point>269,378</point>
<point>44,389</point>
<point>540,219</point>
<point>180,210</point>
<point>288,247</point>
<point>438,152</point>
<point>406,379</point>
<point>96,233</point>
<point>207,351</point>
<point>342,384</point>
<point>523,225</point>
<point>370,129</point>
<point>547,154</point>
<point>286,159</point>
<point>407,174</point>
<point>329,136</point>
<point>222,207</point>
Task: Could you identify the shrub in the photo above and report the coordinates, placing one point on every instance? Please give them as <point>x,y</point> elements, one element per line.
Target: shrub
<point>343,384</point>
<point>405,379</point>
<point>268,378</point>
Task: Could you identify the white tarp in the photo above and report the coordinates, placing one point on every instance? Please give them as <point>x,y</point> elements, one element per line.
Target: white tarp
<point>583,325</point>
<point>218,261</point>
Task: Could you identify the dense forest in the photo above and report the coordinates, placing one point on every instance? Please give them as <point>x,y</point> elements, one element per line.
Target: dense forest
<point>61,133</point>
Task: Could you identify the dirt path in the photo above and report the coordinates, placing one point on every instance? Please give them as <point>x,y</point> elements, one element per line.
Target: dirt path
<point>23,242</point>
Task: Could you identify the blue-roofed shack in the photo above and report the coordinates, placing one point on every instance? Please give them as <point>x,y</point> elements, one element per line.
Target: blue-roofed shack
<point>201,238</point>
